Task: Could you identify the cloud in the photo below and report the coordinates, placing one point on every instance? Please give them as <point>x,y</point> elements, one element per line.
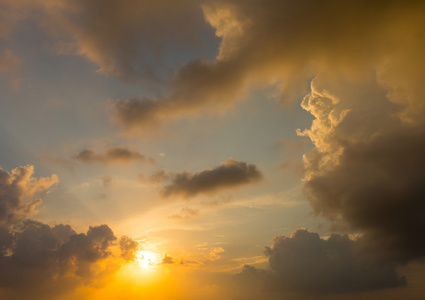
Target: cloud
<point>44,261</point>
<point>9,61</point>
<point>18,193</point>
<point>364,171</point>
<point>211,253</point>
<point>308,264</point>
<point>363,174</point>
<point>38,261</point>
<point>128,248</point>
<point>274,43</point>
<point>156,177</point>
<point>110,156</point>
<point>186,213</point>
<point>263,44</point>
<point>230,173</point>
<point>167,260</point>
<point>377,188</point>
<point>127,39</point>
<point>107,181</point>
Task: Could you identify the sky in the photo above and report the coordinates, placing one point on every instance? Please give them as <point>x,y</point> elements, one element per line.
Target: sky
<point>212,149</point>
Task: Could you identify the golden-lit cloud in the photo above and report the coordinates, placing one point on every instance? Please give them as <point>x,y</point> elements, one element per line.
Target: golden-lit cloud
<point>39,261</point>
<point>128,248</point>
<point>19,192</point>
<point>168,259</point>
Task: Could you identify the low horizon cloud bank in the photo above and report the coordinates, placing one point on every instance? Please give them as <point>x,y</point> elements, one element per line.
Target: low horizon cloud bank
<point>307,264</point>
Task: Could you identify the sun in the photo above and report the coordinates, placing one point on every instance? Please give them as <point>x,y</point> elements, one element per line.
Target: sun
<point>147,260</point>
<point>144,271</point>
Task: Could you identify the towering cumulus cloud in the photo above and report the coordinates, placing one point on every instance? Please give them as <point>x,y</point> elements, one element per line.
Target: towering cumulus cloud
<point>38,261</point>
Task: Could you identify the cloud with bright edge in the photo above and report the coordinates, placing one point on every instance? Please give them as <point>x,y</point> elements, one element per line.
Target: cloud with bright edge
<point>38,261</point>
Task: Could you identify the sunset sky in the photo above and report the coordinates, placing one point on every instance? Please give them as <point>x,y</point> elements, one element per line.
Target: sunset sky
<point>217,149</point>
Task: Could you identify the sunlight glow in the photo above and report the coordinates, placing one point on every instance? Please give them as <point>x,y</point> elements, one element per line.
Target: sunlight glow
<point>147,260</point>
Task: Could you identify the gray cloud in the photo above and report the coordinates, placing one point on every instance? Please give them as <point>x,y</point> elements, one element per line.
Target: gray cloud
<point>230,173</point>
<point>308,264</point>
<point>44,261</point>
<point>110,155</point>
<point>378,188</point>
<point>38,261</point>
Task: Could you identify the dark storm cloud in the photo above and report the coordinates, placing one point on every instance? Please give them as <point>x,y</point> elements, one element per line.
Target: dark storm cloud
<point>110,156</point>
<point>229,174</point>
<point>378,188</point>
<point>308,264</point>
